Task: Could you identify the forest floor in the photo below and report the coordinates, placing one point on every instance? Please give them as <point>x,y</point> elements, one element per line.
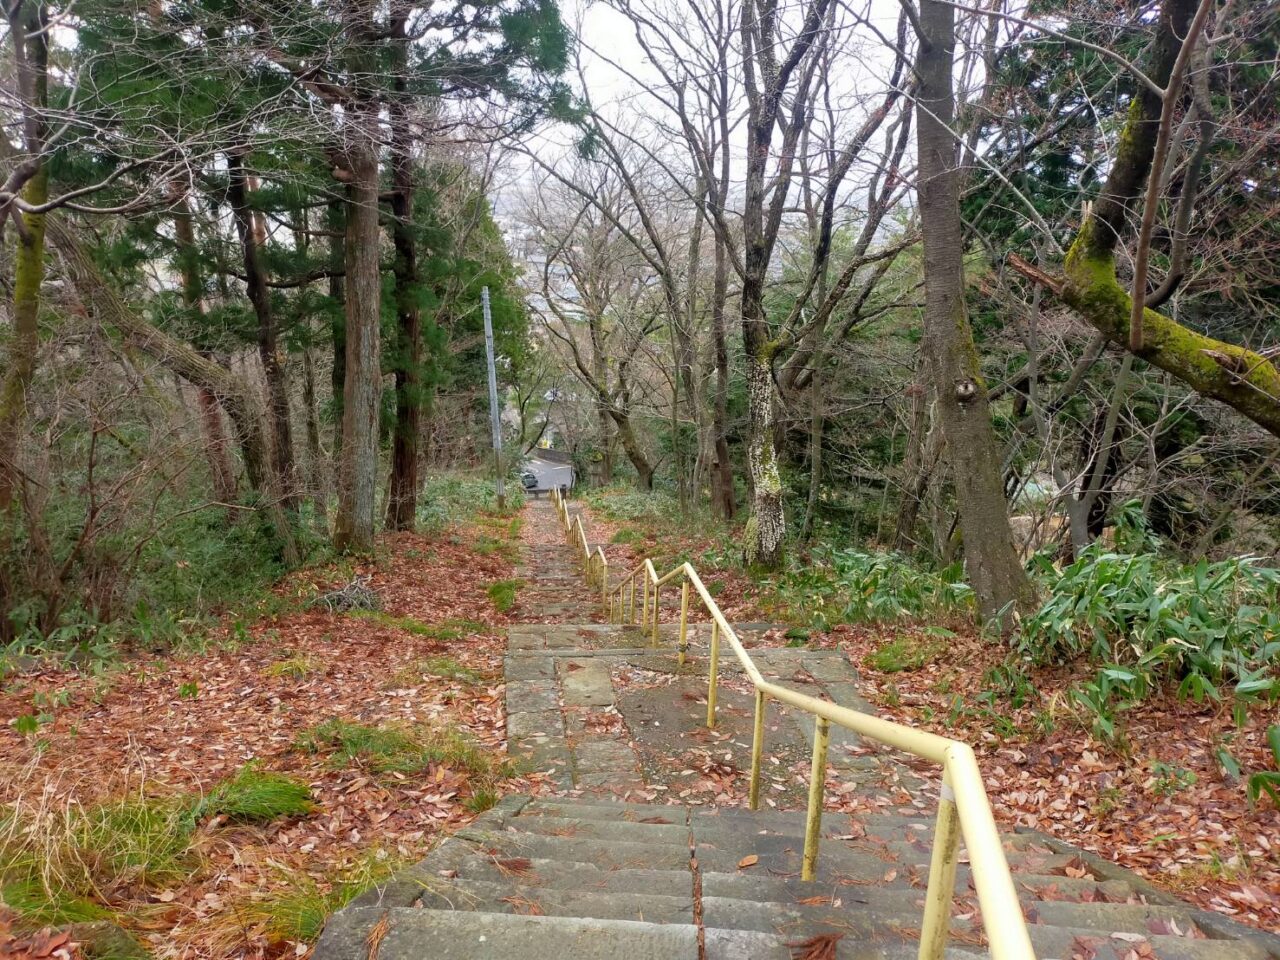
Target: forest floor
<point>162,726</point>
<point>430,662</point>
<point>1157,802</point>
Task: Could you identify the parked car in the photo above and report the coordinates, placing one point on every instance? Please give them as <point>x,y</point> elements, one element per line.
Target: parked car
<point>528,480</point>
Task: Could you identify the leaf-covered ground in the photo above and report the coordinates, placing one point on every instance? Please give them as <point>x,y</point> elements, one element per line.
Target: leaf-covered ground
<point>164,724</point>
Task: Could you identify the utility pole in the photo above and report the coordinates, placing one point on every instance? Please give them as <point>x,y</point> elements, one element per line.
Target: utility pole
<point>494,418</point>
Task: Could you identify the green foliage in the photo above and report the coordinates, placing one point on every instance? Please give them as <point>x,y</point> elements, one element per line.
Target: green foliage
<point>1169,779</point>
<point>503,593</point>
<point>392,749</point>
<point>1213,628</point>
<point>190,690</point>
<point>1267,781</point>
<point>904,654</point>
<point>1010,682</point>
<point>451,498</point>
<point>254,796</point>
<point>853,586</point>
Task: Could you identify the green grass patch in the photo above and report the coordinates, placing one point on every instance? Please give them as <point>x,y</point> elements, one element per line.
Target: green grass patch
<point>904,654</point>
<point>255,796</point>
<point>393,749</point>
<point>503,593</point>
<point>293,668</point>
<point>627,535</point>
<point>299,915</point>
<point>452,629</point>
<point>40,906</point>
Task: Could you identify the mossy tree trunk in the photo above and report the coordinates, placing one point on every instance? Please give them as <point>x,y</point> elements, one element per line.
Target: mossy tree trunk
<point>27,31</point>
<point>999,582</point>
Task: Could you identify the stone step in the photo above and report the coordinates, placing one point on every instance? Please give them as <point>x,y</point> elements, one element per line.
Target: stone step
<point>636,831</point>
<point>750,885</point>
<point>607,854</point>
<point>781,855</point>
<point>463,861</point>
<point>523,897</point>
<point>755,945</point>
<point>418,933</point>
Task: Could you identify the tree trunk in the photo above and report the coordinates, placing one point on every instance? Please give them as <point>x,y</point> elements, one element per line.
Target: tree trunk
<point>273,367</point>
<point>631,446</point>
<point>995,572</point>
<point>723,500</point>
<point>336,225</point>
<point>315,452</point>
<point>358,463</point>
<point>766,528</point>
<point>28,34</point>
<point>402,499</point>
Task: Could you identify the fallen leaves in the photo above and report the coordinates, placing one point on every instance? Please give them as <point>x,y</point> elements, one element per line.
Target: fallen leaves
<point>750,860</point>
<point>821,947</point>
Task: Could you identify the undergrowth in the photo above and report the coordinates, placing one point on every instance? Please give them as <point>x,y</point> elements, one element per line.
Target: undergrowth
<point>63,862</point>
<point>396,749</point>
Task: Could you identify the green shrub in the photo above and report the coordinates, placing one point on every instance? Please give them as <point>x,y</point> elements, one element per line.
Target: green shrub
<point>1267,781</point>
<point>451,498</point>
<point>853,586</point>
<point>255,796</point>
<point>1211,628</point>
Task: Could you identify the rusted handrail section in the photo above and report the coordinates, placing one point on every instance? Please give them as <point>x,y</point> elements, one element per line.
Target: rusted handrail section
<point>963,808</point>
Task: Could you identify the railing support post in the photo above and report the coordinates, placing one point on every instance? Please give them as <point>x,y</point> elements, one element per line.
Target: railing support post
<point>757,750</point>
<point>684,622</point>
<point>817,788</point>
<point>644,603</point>
<point>713,674</point>
<point>936,925</point>
<point>604,584</point>
<point>653,636</point>
<point>631,612</point>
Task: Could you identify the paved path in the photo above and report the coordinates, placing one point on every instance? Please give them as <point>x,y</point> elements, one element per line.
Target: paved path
<point>591,874</point>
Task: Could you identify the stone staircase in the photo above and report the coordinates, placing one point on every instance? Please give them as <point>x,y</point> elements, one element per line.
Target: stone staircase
<point>584,875</point>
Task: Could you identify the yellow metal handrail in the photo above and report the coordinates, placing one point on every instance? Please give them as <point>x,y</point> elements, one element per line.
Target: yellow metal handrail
<point>963,809</point>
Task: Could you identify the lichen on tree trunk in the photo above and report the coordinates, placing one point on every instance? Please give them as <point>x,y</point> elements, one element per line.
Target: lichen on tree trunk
<point>765,532</point>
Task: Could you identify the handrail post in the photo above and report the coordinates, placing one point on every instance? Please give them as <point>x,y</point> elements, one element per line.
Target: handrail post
<point>644,604</point>
<point>757,749</point>
<point>604,581</point>
<point>713,674</point>
<point>684,622</point>
<point>936,925</point>
<point>631,613</point>
<point>817,788</point>
<point>653,636</point>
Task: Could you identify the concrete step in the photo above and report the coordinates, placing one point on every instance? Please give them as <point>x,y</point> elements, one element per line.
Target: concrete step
<point>635,831</point>
<point>522,897</point>
<point>606,854</point>
<point>418,933</point>
<point>750,885</point>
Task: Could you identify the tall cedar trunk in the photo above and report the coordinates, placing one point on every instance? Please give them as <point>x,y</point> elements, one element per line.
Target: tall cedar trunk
<point>402,499</point>
<point>315,453</point>
<point>106,308</point>
<point>217,443</point>
<point>358,462</point>
<point>31,56</point>
<point>273,367</point>
<point>336,225</point>
<point>995,573</point>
